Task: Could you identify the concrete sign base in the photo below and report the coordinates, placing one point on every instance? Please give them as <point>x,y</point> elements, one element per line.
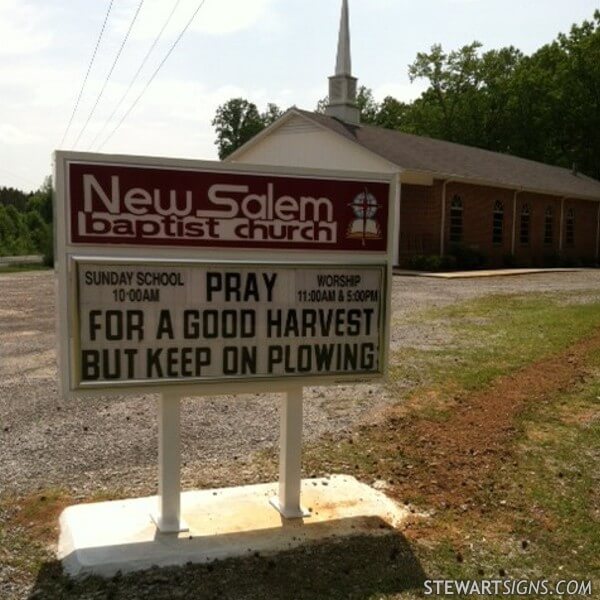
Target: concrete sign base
<point>104,538</point>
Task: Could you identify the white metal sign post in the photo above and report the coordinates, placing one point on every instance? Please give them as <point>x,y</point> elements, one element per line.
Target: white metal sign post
<point>168,518</point>
<point>290,457</point>
<point>187,278</point>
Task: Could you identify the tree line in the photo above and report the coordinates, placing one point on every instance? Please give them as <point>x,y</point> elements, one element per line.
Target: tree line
<point>26,222</point>
<point>545,106</point>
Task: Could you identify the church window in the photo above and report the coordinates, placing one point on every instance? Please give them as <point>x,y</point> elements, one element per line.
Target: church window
<point>549,226</point>
<point>570,228</point>
<point>456,220</point>
<point>498,223</point>
<point>525,224</point>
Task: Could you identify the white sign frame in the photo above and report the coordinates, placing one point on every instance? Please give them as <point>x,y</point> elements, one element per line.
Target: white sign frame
<point>66,281</point>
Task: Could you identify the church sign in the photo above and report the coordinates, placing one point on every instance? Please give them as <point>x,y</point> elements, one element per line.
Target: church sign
<point>144,206</point>
<point>195,274</point>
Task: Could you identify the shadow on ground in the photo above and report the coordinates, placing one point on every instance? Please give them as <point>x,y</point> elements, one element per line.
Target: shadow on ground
<point>357,567</point>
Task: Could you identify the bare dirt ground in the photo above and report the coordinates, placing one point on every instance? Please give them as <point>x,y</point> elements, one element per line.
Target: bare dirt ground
<point>85,446</point>
<point>457,471</point>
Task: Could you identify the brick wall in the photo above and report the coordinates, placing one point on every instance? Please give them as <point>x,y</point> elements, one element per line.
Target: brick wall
<point>420,221</point>
<point>421,215</point>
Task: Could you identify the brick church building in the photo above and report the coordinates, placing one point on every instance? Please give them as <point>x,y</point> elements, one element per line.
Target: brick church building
<point>452,198</point>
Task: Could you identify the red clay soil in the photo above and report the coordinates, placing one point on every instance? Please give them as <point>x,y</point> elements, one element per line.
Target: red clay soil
<point>451,463</point>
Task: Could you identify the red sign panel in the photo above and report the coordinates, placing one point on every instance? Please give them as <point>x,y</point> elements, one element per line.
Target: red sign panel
<point>150,206</point>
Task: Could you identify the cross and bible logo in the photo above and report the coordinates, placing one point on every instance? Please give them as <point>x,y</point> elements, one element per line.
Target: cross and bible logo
<point>364,226</point>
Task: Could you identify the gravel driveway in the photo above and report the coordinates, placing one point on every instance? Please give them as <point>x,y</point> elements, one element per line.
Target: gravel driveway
<point>89,445</point>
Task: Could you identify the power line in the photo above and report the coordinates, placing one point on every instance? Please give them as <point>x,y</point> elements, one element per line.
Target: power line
<point>162,62</point>
<point>87,74</point>
<point>112,68</point>
<point>137,73</point>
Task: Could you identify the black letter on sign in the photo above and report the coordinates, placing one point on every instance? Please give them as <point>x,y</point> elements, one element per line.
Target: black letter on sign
<point>275,354</point>
<point>94,325</point>
<point>90,368</point>
<point>153,358</point>
<point>214,283</point>
<point>165,325</point>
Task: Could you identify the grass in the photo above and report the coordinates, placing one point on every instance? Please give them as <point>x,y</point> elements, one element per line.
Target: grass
<point>542,516</point>
<point>548,525</point>
<point>494,336</point>
<point>10,269</point>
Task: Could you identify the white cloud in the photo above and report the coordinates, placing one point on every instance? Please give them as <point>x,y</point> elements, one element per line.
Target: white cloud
<point>20,30</point>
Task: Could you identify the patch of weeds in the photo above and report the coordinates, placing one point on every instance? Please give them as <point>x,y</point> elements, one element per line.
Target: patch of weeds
<point>560,478</point>
<point>29,525</point>
<point>494,336</point>
<point>547,524</point>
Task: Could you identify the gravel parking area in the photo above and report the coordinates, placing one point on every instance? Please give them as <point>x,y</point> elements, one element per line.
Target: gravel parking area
<point>111,443</point>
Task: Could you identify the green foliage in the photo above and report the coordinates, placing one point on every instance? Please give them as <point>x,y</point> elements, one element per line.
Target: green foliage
<point>392,114</point>
<point>15,238</point>
<point>459,258</point>
<point>26,221</point>
<point>432,263</point>
<point>10,196</point>
<point>544,107</point>
<point>494,335</point>
<point>238,121</point>
<point>467,258</point>
<point>41,201</point>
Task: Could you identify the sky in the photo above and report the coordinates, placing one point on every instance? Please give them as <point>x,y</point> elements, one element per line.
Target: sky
<point>278,51</point>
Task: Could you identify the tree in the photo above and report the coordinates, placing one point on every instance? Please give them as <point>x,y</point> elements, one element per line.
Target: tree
<point>365,101</point>
<point>271,115</point>
<point>238,121</point>
<point>10,196</point>
<point>14,235</point>
<point>453,78</point>
<point>41,200</point>
<point>393,114</point>
<point>26,221</point>
<point>579,79</point>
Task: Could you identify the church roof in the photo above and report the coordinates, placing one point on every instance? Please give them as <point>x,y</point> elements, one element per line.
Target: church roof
<point>447,160</point>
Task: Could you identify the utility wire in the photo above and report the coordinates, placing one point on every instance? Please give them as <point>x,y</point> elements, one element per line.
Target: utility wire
<point>137,73</point>
<point>162,62</point>
<point>87,74</point>
<point>112,68</point>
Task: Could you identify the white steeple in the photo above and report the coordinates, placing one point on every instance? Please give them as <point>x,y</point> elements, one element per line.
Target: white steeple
<point>344,60</point>
<point>342,86</point>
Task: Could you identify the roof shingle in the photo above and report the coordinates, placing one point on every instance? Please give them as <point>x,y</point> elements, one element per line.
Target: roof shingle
<point>447,160</point>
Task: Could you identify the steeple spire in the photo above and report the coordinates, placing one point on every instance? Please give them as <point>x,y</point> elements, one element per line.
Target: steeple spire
<point>342,86</point>
<point>344,60</point>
